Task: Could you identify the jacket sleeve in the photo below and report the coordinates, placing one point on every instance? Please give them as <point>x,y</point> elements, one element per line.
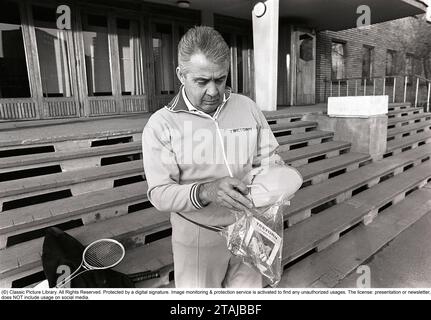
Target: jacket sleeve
<point>267,145</point>
<point>162,172</point>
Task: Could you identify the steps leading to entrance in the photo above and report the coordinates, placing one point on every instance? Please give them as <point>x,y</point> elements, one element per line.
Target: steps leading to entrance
<point>77,182</point>
<point>316,198</point>
<point>326,268</point>
<point>289,128</point>
<point>163,224</point>
<point>301,140</point>
<point>399,106</point>
<point>404,112</point>
<point>340,179</point>
<point>325,228</point>
<point>304,155</point>
<point>401,132</point>
<point>406,120</point>
<point>69,160</point>
<point>410,142</point>
<point>319,171</point>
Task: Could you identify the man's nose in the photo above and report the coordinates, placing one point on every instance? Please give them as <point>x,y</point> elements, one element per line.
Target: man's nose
<point>212,89</point>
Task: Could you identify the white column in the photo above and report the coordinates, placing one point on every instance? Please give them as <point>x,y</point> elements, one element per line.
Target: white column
<point>265,43</point>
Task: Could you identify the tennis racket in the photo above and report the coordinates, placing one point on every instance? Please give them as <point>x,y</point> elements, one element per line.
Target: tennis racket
<point>98,255</point>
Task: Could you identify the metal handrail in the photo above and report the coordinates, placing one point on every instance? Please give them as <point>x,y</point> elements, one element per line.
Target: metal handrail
<point>415,81</point>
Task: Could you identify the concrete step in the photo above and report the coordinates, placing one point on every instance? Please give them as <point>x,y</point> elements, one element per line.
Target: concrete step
<point>405,131</point>
<point>399,106</point>
<point>20,259</point>
<point>83,204</point>
<point>301,140</point>
<point>316,172</point>
<point>312,153</point>
<point>132,230</point>
<point>328,267</point>
<point>399,113</point>
<point>319,197</point>
<point>61,142</point>
<point>317,233</point>
<point>406,120</point>
<point>400,145</point>
<point>60,134</point>
<point>275,116</point>
<point>290,128</point>
<point>77,182</point>
<point>88,208</point>
<point>154,257</point>
<point>323,229</point>
<point>69,160</point>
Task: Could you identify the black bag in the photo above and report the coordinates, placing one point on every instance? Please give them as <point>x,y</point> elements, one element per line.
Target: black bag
<point>61,249</point>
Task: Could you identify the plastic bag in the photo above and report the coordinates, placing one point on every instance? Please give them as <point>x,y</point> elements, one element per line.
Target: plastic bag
<point>257,235</point>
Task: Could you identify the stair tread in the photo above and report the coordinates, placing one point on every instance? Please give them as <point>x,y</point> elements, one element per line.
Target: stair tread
<point>150,218</point>
<point>305,198</point>
<point>399,104</point>
<point>291,125</point>
<point>313,150</point>
<point>54,210</point>
<point>298,239</point>
<point>407,118</point>
<point>408,128</point>
<point>274,115</point>
<point>66,155</point>
<point>315,195</point>
<point>152,257</point>
<point>271,115</point>
<point>75,136</point>
<point>406,141</point>
<point>403,110</point>
<point>366,241</point>
<point>327,165</point>
<point>298,137</point>
<point>303,236</point>
<point>55,180</point>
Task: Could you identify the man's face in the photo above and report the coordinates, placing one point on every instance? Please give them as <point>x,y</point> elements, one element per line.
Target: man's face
<point>204,82</point>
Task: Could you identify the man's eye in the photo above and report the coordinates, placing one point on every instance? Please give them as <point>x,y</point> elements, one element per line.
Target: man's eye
<point>202,82</point>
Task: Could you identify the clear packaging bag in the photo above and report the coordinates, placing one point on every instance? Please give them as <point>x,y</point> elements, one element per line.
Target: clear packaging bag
<point>257,235</point>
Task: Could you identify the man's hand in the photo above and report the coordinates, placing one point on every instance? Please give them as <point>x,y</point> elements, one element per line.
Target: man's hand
<point>227,192</point>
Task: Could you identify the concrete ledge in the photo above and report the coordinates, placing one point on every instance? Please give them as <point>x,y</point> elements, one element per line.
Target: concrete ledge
<point>359,107</point>
<point>366,134</point>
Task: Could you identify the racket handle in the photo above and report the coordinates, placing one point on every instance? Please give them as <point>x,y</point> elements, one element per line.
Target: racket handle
<point>146,275</point>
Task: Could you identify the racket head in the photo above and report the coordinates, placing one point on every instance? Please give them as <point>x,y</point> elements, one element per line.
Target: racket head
<point>103,254</point>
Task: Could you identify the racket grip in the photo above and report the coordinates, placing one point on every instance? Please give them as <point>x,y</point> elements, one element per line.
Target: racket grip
<point>141,276</point>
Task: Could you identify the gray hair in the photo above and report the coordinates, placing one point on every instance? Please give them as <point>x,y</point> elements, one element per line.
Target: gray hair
<point>205,40</point>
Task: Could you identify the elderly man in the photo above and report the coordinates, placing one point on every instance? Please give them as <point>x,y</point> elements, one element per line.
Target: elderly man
<point>196,150</point>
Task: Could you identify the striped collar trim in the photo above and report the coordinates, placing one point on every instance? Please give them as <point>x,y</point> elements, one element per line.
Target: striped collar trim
<point>178,103</point>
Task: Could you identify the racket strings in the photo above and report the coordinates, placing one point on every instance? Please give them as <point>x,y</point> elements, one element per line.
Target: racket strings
<point>103,254</point>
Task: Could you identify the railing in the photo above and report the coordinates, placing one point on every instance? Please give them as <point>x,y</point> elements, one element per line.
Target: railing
<point>413,89</point>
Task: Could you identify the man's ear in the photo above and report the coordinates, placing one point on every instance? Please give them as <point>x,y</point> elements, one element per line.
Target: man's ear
<point>180,75</point>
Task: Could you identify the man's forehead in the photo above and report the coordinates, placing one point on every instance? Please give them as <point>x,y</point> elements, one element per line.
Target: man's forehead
<point>200,66</point>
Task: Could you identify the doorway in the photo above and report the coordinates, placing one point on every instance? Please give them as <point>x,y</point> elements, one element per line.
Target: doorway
<point>303,67</point>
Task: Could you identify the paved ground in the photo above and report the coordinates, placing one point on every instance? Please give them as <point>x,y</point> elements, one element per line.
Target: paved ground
<point>405,262</point>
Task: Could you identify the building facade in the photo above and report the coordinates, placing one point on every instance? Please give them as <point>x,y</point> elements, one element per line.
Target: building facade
<point>119,57</point>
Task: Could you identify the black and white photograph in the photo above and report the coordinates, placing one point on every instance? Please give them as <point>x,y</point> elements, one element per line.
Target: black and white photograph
<point>215,149</point>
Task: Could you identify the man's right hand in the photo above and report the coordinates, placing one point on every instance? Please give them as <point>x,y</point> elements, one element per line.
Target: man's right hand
<point>227,192</point>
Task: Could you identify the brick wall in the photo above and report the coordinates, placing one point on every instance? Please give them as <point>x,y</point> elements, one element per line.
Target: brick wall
<point>408,35</point>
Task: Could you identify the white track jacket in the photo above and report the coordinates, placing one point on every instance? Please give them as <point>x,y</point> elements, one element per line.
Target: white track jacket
<point>182,148</point>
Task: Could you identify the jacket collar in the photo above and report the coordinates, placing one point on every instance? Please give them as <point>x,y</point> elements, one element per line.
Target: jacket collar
<point>178,103</point>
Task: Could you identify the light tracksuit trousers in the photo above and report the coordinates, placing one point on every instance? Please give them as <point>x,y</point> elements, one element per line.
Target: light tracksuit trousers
<point>202,260</point>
